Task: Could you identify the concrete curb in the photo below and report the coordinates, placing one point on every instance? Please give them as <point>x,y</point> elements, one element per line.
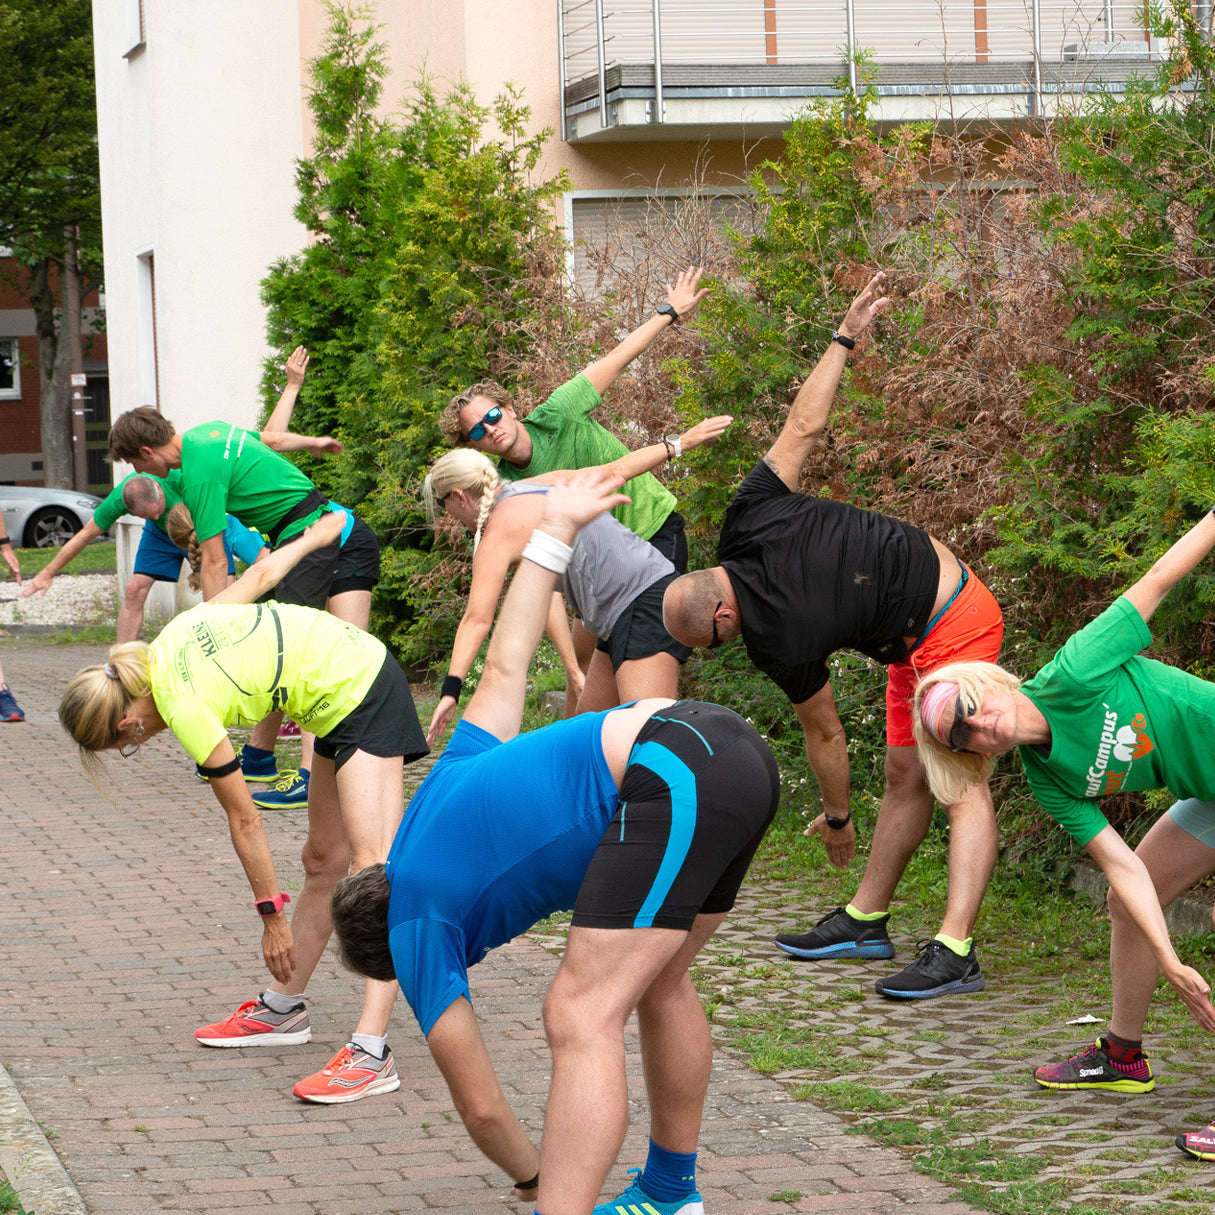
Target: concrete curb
<point>29,1162</point>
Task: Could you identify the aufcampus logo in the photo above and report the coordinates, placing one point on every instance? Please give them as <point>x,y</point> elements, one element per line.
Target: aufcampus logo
<point>1123,744</point>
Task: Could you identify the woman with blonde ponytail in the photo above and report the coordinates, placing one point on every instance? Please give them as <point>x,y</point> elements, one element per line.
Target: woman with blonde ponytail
<point>231,661</point>
<point>614,583</point>
<point>1100,719</point>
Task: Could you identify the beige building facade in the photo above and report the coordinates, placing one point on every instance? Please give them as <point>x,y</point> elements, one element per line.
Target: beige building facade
<point>202,112</point>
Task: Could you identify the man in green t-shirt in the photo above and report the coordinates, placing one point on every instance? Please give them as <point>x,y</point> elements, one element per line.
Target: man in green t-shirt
<point>561,434</point>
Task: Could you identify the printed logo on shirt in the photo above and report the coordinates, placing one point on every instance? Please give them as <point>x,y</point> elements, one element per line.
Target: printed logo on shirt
<point>1122,743</point>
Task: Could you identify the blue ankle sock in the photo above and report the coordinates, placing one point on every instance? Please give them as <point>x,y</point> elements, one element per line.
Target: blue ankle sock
<point>248,751</point>
<point>668,1175</point>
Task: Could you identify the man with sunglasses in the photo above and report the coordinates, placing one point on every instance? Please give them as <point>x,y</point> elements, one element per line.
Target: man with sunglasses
<point>561,434</point>
<point>801,577</point>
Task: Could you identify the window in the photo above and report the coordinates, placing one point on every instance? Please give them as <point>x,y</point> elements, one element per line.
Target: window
<point>10,370</point>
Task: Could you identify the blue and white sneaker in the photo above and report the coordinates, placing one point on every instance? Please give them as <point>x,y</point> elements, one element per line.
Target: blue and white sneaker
<point>635,1201</point>
<point>291,789</point>
<point>838,935</point>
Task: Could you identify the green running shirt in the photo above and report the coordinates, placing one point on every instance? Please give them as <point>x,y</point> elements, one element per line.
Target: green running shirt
<point>1118,722</point>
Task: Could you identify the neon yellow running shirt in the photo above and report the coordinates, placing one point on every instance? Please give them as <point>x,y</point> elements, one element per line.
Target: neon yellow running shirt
<point>220,665</point>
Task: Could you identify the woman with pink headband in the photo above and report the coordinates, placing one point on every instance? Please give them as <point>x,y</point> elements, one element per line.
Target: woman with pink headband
<point>1098,719</point>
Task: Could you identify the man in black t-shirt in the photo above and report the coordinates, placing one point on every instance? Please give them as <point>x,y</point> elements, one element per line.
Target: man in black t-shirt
<point>799,578</point>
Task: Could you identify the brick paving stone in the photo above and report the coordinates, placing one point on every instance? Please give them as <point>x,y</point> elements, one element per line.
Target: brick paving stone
<point>124,924</point>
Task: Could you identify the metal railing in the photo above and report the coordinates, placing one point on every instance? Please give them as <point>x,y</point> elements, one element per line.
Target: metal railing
<point>597,35</point>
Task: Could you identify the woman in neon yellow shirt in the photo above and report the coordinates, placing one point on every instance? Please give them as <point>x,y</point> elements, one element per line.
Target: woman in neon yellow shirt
<point>230,661</point>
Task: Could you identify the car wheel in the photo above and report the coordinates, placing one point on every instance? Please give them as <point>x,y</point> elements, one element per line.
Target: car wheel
<point>50,527</point>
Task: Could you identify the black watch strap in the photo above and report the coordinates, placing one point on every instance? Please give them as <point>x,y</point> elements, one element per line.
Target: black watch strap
<point>847,342</point>
<point>838,824</point>
<point>668,310</point>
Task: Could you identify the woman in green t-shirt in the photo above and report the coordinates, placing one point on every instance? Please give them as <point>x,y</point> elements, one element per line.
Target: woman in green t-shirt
<point>232,660</point>
<point>1099,719</point>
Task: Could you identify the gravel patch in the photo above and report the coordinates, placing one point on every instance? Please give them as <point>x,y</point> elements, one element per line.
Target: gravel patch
<point>73,599</point>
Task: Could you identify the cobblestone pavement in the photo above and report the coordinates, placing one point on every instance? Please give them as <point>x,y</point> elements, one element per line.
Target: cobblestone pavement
<point>125,924</point>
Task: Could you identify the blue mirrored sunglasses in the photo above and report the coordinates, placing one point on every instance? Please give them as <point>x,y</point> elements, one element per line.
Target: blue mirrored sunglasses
<point>477,432</point>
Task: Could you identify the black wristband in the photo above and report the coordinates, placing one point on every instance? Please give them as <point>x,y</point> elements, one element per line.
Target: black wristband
<point>528,1185</point>
<point>452,685</point>
<point>838,824</point>
<point>668,310</point>
<point>5,540</point>
<point>233,765</point>
<point>847,342</point>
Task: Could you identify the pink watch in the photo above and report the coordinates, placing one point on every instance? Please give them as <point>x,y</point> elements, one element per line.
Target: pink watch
<point>271,906</point>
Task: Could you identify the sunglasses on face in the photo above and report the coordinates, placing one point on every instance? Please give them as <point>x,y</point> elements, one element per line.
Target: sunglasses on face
<point>493,417</point>
<point>959,732</point>
<point>716,640</point>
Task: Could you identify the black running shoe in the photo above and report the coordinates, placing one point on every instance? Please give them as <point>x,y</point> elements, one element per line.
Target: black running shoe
<point>838,935</point>
<point>938,971</point>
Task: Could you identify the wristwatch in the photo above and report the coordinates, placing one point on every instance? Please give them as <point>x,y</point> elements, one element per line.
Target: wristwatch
<point>674,445</point>
<point>271,906</point>
<point>847,342</point>
<point>668,310</point>
<point>838,824</point>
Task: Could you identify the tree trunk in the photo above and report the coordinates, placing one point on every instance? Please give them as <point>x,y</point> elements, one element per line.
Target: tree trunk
<point>56,407</point>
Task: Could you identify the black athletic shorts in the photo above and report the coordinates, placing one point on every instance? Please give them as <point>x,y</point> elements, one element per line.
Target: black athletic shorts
<point>385,723</point>
<point>353,566</point>
<point>639,631</point>
<point>700,790</point>
<point>671,540</point>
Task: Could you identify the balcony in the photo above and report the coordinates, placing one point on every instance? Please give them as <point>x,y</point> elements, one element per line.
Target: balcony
<point>691,69</point>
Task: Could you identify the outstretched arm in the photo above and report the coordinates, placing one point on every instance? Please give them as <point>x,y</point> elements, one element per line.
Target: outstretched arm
<point>40,583</point>
<point>497,704</point>
<point>457,1046</point>
<point>682,296</point>
<point>501,543</point>
<point>1130,880</point>
<point>827,751</point>
<point>1148,593</point>
<point>273,568</point>
<point>297,368</point>
<point>253,848</point>
<point>286,440</point>
<point>646,459</point>
<point>808,417</point>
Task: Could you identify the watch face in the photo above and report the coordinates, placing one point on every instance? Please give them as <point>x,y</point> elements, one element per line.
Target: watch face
<point>266,907</point>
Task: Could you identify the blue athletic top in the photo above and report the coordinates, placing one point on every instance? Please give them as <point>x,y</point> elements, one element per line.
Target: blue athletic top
<point>499,836</point>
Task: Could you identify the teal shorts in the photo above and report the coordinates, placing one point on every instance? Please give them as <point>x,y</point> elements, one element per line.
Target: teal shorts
<point>1195,818</point>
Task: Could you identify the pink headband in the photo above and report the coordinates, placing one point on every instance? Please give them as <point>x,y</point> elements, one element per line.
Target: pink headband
<point>933,705</point>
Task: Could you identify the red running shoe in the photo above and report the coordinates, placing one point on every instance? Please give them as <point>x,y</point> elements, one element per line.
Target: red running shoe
<point>253,1024</point>
<point>351,1073</point>
<point>1199,1144</point>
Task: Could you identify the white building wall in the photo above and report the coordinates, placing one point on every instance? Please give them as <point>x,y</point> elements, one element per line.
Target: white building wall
<point>200,130</point>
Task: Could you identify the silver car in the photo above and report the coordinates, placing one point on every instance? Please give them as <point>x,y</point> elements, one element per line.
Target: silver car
<point>44,518</point>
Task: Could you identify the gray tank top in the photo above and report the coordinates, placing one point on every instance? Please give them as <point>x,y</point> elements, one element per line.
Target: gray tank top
<point>609,568</point>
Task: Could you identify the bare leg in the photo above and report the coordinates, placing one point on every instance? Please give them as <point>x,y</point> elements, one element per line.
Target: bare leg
<point>326,858</point>
<point>902,824</point>
<point>654,675</point>
<point>584,651</point>
<point>1175,860</point>
<point>371,791</point>
<point>600,690</point>
<point>605,974</point>
<point>130,615</point>
<point>973,848</point>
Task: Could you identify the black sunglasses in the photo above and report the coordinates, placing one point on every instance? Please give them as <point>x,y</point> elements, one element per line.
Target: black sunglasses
<point>477,432</point>
<point>959,732</point>
<point>716,640</point>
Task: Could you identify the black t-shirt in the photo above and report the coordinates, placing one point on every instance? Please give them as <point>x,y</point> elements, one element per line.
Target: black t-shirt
<point>813,576</point>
